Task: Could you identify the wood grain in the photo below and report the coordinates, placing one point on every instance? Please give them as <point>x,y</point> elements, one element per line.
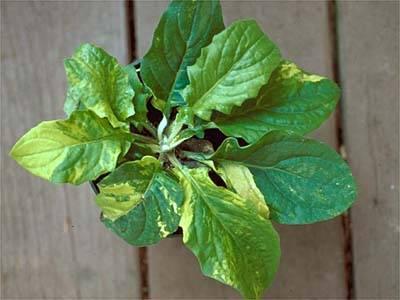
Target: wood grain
<point>53,244</point>
<point>312,256</point>
<point>369,63</point>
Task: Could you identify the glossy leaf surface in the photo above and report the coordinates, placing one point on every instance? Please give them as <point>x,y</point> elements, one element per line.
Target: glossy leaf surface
<point>225,231</point>
<point>232,69</point>
<point>74,150</point>
<point>302,180</point>
<point>140,202</point>
<point>184,28</point>
<point>292,100</point>
<point>97,82</point>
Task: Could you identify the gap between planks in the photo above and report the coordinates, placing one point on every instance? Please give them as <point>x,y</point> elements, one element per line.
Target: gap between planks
<point>132,55</point>
<point>346,217</point>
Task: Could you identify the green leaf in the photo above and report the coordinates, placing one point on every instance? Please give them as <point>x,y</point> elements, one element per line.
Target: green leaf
<point>184,126</point>
<point>302,180</point>
<point>293,100</point>
<point>141,96</point>
<point>98,83</point>
<point>232,69</point>
<point>158,104</point>
<point>240,179</point>
<point>74,150</point>
<point>232,242</point>
<point>140,202</point>
<point>185,28</point>
<point>183,117</point>
<point>139,150</point>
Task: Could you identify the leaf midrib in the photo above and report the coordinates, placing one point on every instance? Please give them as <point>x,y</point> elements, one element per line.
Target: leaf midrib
<point>215,214</point>
<point>200,100</point>
<point>273,167</point>
<point>73,145</point>
<point>267,108</point>
<point>187,42</point>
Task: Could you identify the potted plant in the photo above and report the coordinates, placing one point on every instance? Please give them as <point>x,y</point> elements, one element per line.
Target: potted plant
<point>206,134</point>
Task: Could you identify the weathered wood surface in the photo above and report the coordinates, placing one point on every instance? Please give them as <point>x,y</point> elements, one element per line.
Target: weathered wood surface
<point>369,63</point>
<point>312,256</point>
<point>53,244</point>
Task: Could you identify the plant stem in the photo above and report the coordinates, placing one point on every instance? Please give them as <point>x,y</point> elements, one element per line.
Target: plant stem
<point>175,162</point>
<point>194,156</point>
<point>150,128</point>
<point>144,139</point>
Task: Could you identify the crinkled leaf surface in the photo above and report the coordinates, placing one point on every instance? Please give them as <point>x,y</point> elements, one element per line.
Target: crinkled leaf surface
<point>75,150</point>
<point>232,242</point>
<point>239,178</point>
<point>232,69</point>
<point>185,28</point>
<point>140,202</point>
<point>98,83</point>
<point>141,96</point>
<point>302,180</point>
<point>292,100</point>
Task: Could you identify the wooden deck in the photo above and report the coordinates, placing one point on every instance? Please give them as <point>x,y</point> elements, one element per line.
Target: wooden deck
<point>52,243</point>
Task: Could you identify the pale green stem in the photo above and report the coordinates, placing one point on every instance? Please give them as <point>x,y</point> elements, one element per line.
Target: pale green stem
<point>150,128</point>
<point>144,139</point>
<point>175,162</point>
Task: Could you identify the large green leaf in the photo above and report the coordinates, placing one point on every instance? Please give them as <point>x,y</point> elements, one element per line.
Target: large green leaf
<point>141,96</point>
<point>232,69</point>
<point>74,150</point>
<point>98,83</point>
<point>303,180</point>
<point>140,202</point>
<point>292,100</point>
<point>233,243</point>
<point>185,28</point>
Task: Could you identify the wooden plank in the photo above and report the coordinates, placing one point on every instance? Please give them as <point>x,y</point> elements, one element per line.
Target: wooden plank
<point>369,63</point>
<point>312,260</point>
<point>53,244</point>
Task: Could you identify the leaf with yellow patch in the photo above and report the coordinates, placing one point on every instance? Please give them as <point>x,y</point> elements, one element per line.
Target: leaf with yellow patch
<point>140,202</point>
<point>75,150</point>
<point>240,179</point>
<point>224,231</point>
<point>292,100</point>
<point>98,83</point>
<point>303,181</point>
